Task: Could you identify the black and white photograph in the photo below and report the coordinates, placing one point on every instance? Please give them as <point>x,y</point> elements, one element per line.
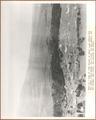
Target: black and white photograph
<point>44,59</point>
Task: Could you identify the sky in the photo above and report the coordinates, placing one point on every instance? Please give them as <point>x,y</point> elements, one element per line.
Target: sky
<point>16,35</point>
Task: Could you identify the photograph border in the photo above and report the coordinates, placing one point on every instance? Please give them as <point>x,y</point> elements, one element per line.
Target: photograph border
<point>33,118</point>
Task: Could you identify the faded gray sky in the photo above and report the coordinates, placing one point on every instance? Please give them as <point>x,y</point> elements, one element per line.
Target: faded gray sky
<point>16,26</point>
